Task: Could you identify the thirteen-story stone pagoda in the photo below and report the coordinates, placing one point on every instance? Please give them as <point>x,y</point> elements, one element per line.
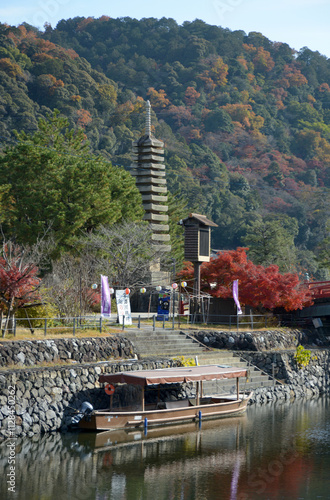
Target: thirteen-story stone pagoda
<point>149,171</point>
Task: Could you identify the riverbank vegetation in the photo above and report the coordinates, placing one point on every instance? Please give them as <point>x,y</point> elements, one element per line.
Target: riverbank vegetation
<point>246,126</point>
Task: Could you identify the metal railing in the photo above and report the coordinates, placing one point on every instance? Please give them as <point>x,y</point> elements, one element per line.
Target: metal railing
<point>146,321</point>
<point>53,325</point>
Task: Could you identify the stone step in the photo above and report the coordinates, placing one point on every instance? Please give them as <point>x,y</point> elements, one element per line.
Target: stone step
<point>222,361</point>
<point>166,343</point>
<point>224,388</point>
<point>171,352</point>
<point>169,343</point>
<point>163,340</point>
<point>155,335</point>
<point>172,342</point>
<point>256,377</point>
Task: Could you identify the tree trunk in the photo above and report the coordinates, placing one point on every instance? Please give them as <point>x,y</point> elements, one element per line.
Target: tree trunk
<point>30,326</point>
<point>10,306</point>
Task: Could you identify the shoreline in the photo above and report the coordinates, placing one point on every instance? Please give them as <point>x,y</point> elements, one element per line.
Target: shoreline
<point>38,399</point>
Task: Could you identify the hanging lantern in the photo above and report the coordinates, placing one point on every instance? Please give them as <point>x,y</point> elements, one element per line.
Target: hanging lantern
<point>94,286</point>
<point>111,291</point>
<point>143,290</point>
<point>127,291</point>
<point>158,288</point>
<point>174,286</point>
<point>184,284</point>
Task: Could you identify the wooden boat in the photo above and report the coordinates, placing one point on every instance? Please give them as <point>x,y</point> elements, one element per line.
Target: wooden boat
<point>168,412</point>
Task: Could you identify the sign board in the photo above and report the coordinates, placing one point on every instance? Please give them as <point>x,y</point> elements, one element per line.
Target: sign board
<point>184,307</point>
<point>317,322</point>
<point>123,307</point>
<point>163,308</point>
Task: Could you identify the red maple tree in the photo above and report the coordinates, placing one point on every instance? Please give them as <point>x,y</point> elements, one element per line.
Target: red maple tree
<point>259,287</point>
<point>18,282</point>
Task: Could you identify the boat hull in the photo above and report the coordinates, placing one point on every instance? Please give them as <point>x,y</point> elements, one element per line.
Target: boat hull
<point>108,420</point>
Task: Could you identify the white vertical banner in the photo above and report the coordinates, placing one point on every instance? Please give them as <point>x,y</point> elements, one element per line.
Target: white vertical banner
<point>235,295</point>
<point>123,307</point>
<point>105,297</point>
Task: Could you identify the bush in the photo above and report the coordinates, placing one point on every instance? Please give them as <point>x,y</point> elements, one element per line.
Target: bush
<point>182,361</point>
<point>303,356</point>
<point>33,313</point>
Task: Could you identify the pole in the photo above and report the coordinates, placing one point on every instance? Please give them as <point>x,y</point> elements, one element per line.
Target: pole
<point>149,305</point>
<point>197,278</point>
<point>80,292</point>
<point>197,288</point>
<point>179,306</point>
<point>197,393</point>
<point>251,316</point>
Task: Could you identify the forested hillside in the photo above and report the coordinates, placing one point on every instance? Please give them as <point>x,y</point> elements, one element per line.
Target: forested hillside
<point>246,121</point>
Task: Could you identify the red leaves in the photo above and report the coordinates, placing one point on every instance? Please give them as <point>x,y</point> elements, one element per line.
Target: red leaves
<point>18,280</point>
<point>258,286</point>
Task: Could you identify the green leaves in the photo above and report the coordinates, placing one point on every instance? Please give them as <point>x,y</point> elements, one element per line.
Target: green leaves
<point>272,242</point>
<point>57,185</point>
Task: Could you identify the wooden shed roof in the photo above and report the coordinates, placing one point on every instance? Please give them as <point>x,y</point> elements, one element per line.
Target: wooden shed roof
<point>200,218</point>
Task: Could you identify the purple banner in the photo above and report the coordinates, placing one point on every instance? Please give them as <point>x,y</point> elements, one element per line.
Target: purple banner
<point>235,295</point>
<point>105,297</point>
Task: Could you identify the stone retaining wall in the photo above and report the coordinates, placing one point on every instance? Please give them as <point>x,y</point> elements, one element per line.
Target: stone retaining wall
<point>35,400</point>
<point>83,350</point>
<point>286,369</point>
<point>41,399</point>
<point>267,340</point>
<point>312,380</point>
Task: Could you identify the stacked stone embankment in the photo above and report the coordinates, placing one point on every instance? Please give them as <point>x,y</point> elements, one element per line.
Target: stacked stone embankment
<point>36,399</point>
<point>299,382</point>
<point>43,399</point>
<point>84,350</point>
<point>273,352</point>
<point>268,340</point>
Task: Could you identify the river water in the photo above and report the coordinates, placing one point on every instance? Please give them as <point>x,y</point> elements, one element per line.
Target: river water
<point>277,451</point>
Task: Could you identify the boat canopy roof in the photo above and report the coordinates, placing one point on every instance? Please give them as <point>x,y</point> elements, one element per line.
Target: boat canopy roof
<point>174,375</point>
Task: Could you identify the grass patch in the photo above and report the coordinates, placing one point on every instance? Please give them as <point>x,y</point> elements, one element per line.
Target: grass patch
<point>63,332</point>
<point>56,333</point>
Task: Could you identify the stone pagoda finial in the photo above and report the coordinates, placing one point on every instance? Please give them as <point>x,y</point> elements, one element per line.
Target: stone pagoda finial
<point>149,171</point>
<point>148,118</point>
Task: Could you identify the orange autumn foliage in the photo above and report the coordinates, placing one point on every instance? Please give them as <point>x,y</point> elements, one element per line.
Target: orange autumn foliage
<point>84,118</point>
<point>158,98</point>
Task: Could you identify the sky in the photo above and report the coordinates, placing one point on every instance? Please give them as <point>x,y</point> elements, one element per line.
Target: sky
<point>298,23</point>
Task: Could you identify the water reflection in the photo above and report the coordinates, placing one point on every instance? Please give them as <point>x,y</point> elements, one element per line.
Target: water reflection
<point>273,452</point>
